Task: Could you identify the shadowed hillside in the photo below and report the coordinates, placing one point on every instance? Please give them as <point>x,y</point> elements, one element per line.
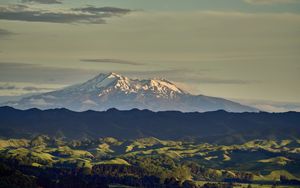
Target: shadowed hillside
<point>216,127</point>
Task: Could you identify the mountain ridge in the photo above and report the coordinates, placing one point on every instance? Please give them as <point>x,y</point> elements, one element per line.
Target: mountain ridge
<point>112,90</point>
<point>216,127</point>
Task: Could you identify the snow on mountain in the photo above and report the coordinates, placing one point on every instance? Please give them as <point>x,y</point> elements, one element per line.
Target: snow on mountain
<point>111,90</point>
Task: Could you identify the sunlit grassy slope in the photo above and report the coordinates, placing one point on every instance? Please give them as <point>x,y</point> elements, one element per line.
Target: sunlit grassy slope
<point>266,160</point>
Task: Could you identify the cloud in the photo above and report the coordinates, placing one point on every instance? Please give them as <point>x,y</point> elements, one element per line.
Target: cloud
<point>10,86</point>
<point>91,15</point>
<point>5,65</point>
<point>113,61</point>
<point>109,10</point>
<point>271,106</point>
<point>32,88</point>
<point>7,87</point>
<point>43,1</point>
<point>40,74</point>
<point>5,33</point>
<point>264,2</point>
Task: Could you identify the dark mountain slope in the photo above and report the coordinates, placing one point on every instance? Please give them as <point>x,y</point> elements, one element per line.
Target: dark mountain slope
<point>218,126</point>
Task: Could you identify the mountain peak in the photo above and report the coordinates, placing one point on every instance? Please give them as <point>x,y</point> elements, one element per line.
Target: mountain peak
<point>110,75</point>
<point>165,84</point>
<point>112,82</point>
<point>112,90</point>
<point>103,80</point>
<point>114,75</point>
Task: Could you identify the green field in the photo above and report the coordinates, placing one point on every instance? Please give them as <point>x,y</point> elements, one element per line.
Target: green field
<point>258,161</point>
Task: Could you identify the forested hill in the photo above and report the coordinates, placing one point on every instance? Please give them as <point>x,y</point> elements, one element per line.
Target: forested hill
<point>218,126</point>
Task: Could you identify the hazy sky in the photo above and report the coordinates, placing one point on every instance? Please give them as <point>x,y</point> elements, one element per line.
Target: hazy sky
<point>246,50</point>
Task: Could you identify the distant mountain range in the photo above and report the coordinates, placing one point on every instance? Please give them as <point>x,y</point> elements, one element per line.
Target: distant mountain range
<point>215,127</point>
<point>111,90</point>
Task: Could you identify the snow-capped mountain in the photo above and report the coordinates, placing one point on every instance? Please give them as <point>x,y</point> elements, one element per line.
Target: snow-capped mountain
<point>111,90</point>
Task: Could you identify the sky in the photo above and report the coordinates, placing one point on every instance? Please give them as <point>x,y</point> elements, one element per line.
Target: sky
<point>244,50</point>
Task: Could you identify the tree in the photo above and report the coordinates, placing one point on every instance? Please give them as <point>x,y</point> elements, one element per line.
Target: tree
<point>182,173</point>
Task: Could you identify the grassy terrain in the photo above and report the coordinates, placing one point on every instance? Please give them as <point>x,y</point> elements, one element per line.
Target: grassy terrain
<point>257,160</point>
